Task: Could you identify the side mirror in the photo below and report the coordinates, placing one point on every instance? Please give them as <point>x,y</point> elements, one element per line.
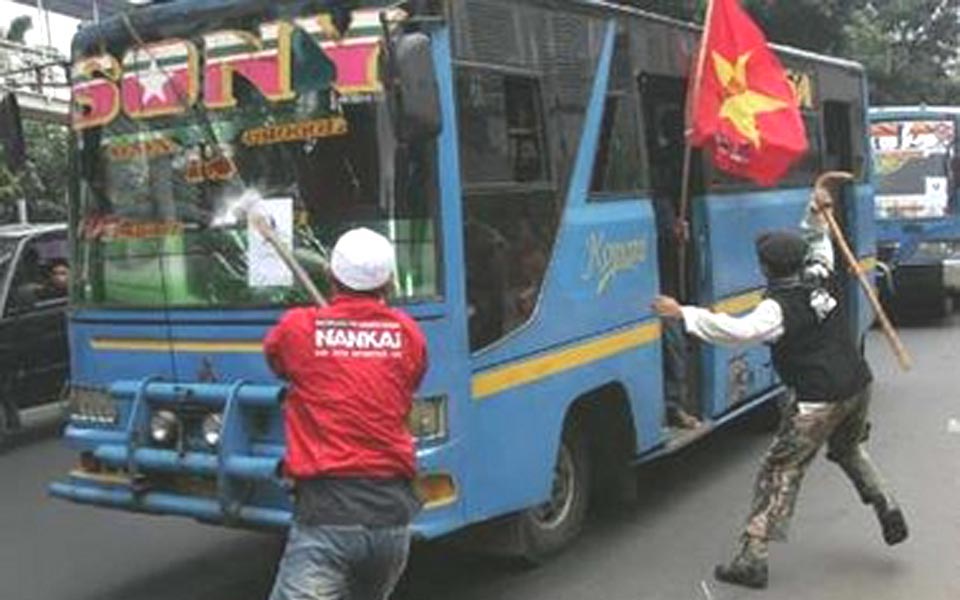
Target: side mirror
<point>11,134</point>
<point>413,89</point>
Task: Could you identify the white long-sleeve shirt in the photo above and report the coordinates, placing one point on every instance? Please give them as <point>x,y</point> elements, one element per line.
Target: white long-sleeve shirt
<point>764,324</point>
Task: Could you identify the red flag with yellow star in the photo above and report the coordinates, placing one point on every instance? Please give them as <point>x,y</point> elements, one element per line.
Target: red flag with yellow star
<point>743,109</point>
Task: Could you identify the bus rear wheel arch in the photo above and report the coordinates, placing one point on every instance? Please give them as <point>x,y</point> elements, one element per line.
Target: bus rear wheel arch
<point>592,463</point>
<point>544,530</point>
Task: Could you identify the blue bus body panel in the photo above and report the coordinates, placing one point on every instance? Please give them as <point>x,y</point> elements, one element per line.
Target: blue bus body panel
<point>727,227</point>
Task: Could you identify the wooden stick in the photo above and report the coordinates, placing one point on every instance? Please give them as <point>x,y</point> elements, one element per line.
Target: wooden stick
<point>263,228</point>
<point>903,357</point>
<point>688,157</point>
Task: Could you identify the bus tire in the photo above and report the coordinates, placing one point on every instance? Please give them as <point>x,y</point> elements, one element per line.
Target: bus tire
<point>545,530</point>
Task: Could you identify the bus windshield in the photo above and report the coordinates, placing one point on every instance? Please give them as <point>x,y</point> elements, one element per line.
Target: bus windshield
<point>160,221</point>
<point>913,168</point>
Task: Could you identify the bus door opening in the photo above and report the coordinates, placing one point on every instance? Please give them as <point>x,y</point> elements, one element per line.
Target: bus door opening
<point>839,156</point>
<point>664,99</point>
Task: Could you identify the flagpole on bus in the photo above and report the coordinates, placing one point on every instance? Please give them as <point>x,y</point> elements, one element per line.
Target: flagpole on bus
<point>683,226</point>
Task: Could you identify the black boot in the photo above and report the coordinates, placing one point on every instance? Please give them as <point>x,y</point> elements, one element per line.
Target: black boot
<point>748,568</point>
<point>891,519</point>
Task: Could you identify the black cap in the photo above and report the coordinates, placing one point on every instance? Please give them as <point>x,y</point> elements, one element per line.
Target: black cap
<point>782,251</point>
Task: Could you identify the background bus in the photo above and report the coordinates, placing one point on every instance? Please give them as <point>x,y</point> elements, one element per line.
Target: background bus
<point>918,233</point>
<point>526,233</point>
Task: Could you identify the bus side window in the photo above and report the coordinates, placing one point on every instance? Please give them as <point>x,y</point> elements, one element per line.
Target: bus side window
<point>501,128</point>
<point>618,168</point>
<point>509,215</point>
<point>838,155</point>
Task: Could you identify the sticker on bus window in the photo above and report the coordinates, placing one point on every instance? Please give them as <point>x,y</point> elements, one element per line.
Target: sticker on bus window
<point>936,190</point>
<point>265,267</point>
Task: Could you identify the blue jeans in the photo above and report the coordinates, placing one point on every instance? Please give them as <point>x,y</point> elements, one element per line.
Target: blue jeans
<point>350,562</point>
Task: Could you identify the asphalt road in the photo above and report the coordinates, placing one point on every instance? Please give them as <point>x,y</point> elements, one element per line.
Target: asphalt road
<point>662,547</point>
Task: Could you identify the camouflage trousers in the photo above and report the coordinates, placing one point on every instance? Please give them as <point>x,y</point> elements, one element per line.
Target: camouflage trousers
<point>805,427</point>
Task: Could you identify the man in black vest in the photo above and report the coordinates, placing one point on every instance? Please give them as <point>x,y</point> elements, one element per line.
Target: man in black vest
<point>815,355</point>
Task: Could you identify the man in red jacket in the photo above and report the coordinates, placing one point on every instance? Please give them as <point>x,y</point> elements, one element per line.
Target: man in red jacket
<point>353,368</point>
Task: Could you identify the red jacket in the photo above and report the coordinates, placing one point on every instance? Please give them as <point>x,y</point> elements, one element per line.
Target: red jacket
<point>353,368</point>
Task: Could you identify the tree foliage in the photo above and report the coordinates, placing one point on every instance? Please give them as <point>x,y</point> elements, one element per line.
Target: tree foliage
<point>47,160</point>
<point>910,49</point>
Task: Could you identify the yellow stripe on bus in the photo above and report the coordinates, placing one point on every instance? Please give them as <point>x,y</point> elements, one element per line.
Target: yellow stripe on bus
<point>739,304</point>
<point>528,371</point>
<point>742,303</point>
<point>162,345</point>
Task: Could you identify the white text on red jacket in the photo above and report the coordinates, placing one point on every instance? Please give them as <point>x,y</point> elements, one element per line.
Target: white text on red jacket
<point>359,339</point>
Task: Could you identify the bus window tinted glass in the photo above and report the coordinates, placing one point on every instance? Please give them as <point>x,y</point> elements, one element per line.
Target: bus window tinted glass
<point>617,169</point>
<point>501,129</point>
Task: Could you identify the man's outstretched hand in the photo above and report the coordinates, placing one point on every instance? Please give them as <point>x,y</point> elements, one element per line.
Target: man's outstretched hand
<point>667,307</point>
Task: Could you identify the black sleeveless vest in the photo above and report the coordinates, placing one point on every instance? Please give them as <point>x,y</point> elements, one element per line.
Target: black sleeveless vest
<point>817,358</point>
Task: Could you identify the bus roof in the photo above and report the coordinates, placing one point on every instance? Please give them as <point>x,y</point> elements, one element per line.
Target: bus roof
<point>916,110</point>
<point>88,36</point>
<point>693,27</point>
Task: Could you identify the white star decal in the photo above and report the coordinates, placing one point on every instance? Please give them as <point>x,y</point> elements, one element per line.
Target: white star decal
<point>153,83</point>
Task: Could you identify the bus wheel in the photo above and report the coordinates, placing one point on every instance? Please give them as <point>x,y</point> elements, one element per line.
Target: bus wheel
<point>547,529</point>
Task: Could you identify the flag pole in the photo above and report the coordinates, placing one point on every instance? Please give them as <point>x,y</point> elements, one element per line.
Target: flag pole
<point>683,227</point>
<point>903,357</point>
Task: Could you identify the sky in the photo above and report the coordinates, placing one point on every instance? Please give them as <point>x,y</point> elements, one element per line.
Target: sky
<point>62,28</point>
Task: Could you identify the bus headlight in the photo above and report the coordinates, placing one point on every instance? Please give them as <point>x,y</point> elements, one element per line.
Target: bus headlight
<point>91,406</point>
<point>163,427</point>
<point>212,427</point>
<point>428,418</point>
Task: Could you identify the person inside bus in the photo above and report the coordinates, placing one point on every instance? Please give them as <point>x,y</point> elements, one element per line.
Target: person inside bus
<point>815,354</point>
<point>57,280</point>
<point>671,232</point>
<point>487,251</point>
<point>353,367</point>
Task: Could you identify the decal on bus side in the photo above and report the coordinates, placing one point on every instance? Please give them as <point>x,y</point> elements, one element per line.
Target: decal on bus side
<point>607,259</point>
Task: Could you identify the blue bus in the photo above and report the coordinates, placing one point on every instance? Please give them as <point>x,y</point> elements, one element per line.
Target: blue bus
<point>918,232</point>
<point>520,154</point>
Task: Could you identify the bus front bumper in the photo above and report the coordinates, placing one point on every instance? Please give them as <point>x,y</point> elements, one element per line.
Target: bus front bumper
<point>126,493</point>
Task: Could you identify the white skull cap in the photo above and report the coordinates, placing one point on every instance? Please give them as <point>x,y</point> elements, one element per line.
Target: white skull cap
<point>363,260</point>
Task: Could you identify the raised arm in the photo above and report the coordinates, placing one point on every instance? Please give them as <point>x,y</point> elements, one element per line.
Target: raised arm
<point>820,259</point>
